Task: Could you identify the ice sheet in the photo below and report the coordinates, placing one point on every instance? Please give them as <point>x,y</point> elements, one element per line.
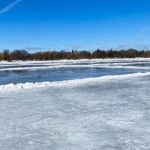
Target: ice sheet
<point>68,83</point>
<point>32,71</point>
<point>33,65</point>
<point>91,114</point>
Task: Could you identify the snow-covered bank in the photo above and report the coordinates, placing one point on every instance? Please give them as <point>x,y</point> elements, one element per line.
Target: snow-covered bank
<point>78,60</point>
<point>74,61</point>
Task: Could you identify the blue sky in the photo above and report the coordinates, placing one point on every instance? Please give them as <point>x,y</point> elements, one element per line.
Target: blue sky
<point>37,25</point>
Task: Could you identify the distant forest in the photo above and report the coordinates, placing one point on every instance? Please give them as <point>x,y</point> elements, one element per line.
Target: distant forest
<point>74,54</point>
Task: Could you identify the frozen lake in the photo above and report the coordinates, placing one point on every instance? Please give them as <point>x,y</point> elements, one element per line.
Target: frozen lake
<point>75,105</point>
<point>22,72</point>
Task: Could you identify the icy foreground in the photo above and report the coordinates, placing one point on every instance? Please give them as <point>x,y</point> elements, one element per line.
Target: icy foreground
<point>86,114</point>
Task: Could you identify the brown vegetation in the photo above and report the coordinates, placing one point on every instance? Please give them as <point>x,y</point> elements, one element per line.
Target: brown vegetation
<point>57,55</point>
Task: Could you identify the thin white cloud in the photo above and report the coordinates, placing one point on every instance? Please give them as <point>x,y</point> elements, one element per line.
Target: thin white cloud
<point>33,48</point>
<point>138,46</point>
<point>10,6</point>
<point>142,37</point>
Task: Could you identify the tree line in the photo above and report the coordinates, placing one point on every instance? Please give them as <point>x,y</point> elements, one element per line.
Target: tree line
<point>74,54</point>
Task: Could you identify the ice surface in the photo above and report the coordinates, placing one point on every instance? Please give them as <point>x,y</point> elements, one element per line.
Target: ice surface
<point>31,71</point>
<point>67,83</point>
<point>102,113</point>
<point>112,63</point>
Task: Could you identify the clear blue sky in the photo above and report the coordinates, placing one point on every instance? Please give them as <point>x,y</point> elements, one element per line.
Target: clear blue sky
<point>38,25</point>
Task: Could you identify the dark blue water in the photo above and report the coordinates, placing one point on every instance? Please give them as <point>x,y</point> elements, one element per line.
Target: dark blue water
<point>60,74</point>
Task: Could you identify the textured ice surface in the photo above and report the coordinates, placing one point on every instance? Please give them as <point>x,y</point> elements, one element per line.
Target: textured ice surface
<point>98,113</point>
<point>109,114</point>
